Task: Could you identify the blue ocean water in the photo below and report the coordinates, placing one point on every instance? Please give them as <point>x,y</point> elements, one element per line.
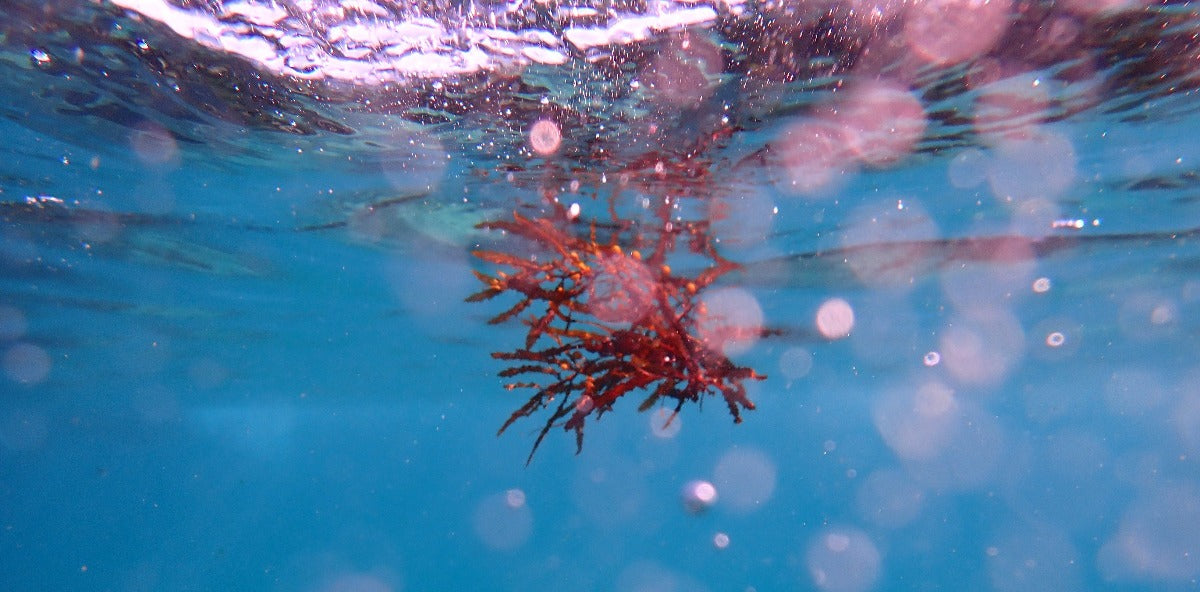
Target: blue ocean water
<point>237,351</point>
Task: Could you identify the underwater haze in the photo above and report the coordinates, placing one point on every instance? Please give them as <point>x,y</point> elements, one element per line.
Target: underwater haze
<point>610,295</point>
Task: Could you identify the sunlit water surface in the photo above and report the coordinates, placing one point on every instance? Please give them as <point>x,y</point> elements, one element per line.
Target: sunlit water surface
<point>236,355</point>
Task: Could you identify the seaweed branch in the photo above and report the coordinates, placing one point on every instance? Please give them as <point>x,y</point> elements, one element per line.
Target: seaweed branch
<point>609,321</point>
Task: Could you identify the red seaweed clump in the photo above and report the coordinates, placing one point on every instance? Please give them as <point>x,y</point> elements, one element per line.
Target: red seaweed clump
<point>605,319</point>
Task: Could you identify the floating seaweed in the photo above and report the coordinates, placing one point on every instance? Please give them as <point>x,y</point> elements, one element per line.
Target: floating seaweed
<point>607,317</point>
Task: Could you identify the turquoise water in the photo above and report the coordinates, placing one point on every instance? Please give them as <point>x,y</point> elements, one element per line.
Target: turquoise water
<point>237,354</point>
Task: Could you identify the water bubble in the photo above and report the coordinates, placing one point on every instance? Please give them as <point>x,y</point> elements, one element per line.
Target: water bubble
<point>721,540</point>
<point>795,362</point>
<point>665,423</point>
<point>746,478</point>
<point>968,169</point>
<point>612,496</point>
<point>835,318</point>
<point>981,347</point>
<point>545,137</point>
<point>972,444</point>
<point>1041,285</point>
<point>731,320</point>
<point>886,246</point>
<point>889,498</point>
<point>884,122</point>
<point>843,560</point>
<point>989,273</point>
<point>932,358</point>
<point>26,363</point>
<point>1011,108</point>
<point>1055,339</point>
<point>698,496</point>
<point>584,405</point>
<point>621,290</point>
<point>917,423</point>
<point>1029,217</point>
<point>500,525</point>
<point>814,155</point>
<point>154,144</point>
<point>1148,315</point>
<point>1033,558</point>
<point>1039,166</point>
<point>515,498</point>
<point>100,226</point>
<point>413,162</point>
<point>1157,538</point>
<point>947,31</point>
<point>886,329</point>
<point>684,71</point>
<point>431,283</point>
<point>743,220</point>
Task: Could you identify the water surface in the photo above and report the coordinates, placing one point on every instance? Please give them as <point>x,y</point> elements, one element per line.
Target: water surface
<point>236,244</point>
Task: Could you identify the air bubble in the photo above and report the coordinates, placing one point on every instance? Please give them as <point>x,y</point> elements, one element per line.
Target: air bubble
<point>698,496</point>
<point>545,137</point>
<point>721,540</point>
<point>835,318</point>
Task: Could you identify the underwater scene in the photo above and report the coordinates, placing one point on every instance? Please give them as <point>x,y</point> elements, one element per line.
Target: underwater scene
<point>605,295</point>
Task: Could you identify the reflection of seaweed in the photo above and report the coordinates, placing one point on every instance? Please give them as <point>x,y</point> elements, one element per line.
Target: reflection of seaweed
<point>607,322</point>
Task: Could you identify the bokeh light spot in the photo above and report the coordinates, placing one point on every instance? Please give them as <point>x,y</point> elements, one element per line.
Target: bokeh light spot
<point>884,123</point>
<point>982,347</point>
<point>26,363</point>
<point>835,318</point>
<point>698,496</point>
<point>843,560</point>
<point>730,321</point>
<point>746,478</point>
<point>889,498</point>
<point>948,31</point>
<point>545,137</point>
<point>795,362</point>
<point>154,144</point>
<point>499,524</point>
<point>721,541</point>
<point>814,155</point>
<point>665,423</point>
